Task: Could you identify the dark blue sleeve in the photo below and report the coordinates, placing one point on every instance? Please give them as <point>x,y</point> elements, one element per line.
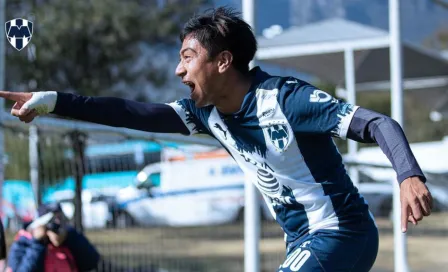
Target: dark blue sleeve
<point>117,112</point>
<point>368,126</point>
<point>311,110</point>
<point>195,119</point>
<point>85,254</point>
<point>26,255</point>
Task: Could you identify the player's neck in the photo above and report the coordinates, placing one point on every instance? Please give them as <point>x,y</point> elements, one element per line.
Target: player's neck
<point>235,90</point>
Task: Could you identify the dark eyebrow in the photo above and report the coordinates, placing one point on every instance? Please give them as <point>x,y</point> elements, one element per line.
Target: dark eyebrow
<point>188,48</point>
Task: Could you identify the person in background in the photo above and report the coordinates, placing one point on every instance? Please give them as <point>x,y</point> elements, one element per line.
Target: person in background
<point>49,243</point>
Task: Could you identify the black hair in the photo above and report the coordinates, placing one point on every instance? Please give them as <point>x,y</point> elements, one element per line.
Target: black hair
<point>223,29</point>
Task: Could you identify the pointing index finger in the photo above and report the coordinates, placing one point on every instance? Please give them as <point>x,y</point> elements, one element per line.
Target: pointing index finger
<point>14,96</point>
<point>404,216</point>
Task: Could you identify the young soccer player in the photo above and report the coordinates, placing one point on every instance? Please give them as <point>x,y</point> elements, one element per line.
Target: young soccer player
<point>278,129</point>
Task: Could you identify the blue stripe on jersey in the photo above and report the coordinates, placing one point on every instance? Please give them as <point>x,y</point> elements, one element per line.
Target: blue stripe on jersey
<point>331,174</point>
<point>315,122</point>
<point>293,220</point>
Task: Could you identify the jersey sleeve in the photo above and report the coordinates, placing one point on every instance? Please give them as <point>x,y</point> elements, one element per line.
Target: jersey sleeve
<point>119,112</point>
<point>195,119</point>
<point>310,110</point>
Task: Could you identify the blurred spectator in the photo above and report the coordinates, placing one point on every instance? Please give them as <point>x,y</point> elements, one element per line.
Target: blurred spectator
<point>49,243</point>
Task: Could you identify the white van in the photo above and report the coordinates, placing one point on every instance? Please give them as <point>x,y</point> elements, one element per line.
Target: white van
<point>205,188</point>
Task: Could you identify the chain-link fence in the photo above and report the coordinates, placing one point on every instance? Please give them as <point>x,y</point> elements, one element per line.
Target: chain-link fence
<point>153,202</point>
<point>124,212</point>
<point>134,227</point>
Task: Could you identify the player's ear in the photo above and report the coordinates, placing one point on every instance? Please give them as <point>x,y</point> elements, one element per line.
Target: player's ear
<point>225,59</point>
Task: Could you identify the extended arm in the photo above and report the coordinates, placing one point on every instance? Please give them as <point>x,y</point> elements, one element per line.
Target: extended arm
<point>118,112</point>
<point>180,116</point>
<point>371,127</point>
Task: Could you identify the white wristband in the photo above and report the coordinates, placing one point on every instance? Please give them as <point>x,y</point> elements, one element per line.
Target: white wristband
<point>42,102</point>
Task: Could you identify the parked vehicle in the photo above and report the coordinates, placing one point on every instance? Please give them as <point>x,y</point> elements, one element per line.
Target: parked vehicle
<point>109,168</point>
<point>187,189</point>
<point>95,207</point>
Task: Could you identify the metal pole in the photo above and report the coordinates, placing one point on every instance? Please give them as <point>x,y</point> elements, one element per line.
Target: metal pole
<point>350,81</point>
<point>396,77</point>
<point>79,143</point>
<point>34,163</point>
<point>251,200</point>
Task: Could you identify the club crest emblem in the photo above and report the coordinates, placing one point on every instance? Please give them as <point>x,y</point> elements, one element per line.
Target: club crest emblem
<point>19,32</point>
<point>279,136</point>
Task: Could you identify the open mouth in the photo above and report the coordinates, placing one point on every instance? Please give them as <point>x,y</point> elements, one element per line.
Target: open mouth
<point>189,84</point>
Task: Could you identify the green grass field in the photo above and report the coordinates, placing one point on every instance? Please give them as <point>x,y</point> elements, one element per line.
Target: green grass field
<point>221,248</point>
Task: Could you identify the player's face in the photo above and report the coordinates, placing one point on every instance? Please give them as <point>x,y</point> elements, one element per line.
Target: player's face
<point>198,72</point>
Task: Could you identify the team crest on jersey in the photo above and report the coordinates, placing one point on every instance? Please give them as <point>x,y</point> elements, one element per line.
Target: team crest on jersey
<point>279,136</point>
<point>19,32</point>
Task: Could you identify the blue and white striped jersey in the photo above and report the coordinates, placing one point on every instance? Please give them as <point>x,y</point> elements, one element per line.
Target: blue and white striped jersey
<point>282,140</point>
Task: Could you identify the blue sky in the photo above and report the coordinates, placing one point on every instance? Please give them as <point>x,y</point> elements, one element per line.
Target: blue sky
<point>420,18</point>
